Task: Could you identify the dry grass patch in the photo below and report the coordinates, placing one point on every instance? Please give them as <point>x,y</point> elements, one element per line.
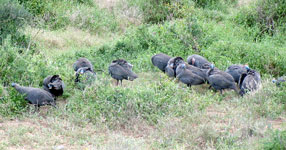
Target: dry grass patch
<point>63,40</point>
<point>53,133</point>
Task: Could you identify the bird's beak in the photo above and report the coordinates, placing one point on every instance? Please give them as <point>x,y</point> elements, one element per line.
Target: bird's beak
<point>50,86</point>
<point>130,65</point>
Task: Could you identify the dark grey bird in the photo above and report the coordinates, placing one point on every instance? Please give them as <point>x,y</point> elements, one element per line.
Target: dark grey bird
<point>85,75</point>
<point>54,85</point>
<point>198,71</point>
<point>82,62</point>
<point>197,60</point>
<point>236,71</point>
<point>170,71</point>
<point>172,66</point>
<point>35,96</point>
<point>120,70</point>
<point>176,61</point>
<point>249,81</point>
<point>160,61</point>
<point>220,80</point>
<point>187,77</point>
<point>280,81</point>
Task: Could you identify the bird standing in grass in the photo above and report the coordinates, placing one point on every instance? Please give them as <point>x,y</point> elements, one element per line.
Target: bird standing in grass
<point>279,81</point>
<point>160,60</point>
<point>220,80</point>
<point>120,70</point>
<point>236,71</point>
<point>35,96</point>
<point>85,75</point>
<point>197,61</point>
<point>54,85</point>
<point>249,81</point>
<point>83,67</point>
<point>82,62</point>
<point>187,77</point>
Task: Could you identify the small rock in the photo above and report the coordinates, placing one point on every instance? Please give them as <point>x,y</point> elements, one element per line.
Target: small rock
<point>60,147</point>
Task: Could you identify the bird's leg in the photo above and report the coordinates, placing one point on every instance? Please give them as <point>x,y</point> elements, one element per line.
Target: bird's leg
<point>54,104</point>
<point>121,82</point>
<point>220,92</point>
<point>117,82</point>
<point>36,108</point>
<point>189,85</point>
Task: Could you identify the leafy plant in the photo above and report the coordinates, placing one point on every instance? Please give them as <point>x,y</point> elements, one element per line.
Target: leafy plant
<point>276,141</point>
<point>13,18</point>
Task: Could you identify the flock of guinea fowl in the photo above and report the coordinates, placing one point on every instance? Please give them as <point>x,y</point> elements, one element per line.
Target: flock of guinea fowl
<point>197,70</point>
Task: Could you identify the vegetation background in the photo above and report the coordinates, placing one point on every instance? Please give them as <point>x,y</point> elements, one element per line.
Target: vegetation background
<point>45,37</point>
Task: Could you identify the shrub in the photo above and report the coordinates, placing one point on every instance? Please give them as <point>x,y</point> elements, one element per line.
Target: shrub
<point>13,18</point>
<point>21,65</point>
<point>159,11</point>
<point>12,104</point>
<point>206,3</point>
<point>276,141</point>
<point>267,15</point>
<point>221,5</point>
<point>1,90</point>
<point>36,7</point>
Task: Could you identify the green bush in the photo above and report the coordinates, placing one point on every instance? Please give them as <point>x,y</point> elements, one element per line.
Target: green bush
<point>13,18</point>
<point>262,57</point>
<point>159,11</point>
<point>269,16</point>
<point>206,3</point>
<point>36,7</point>
<point>276,141</point>
<point>1,90</point>
<point>12,104</point>
<point>220,5</point>
<point>21,66</point>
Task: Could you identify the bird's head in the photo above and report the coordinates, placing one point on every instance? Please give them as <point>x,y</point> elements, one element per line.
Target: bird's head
<point>82,70</point>
<point>172,65</point>
<point>212,66</point>
<point>193,61</point>
<point>183,66</point>
<point>247,67</point>
<point>274,81</point>
<point>129,66</point>
<point>50,86</point>
<point>13,84</point>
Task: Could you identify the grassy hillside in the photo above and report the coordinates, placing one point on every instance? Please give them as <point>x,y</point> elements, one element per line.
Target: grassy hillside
<point>41,38</point>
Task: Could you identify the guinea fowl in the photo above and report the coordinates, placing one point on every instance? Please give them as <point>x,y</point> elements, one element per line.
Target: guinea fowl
<point>187,77</point>
<point>121,70</point>
<point>279,81</point>
<point>173,63</point>
<point>249,81</point>
<point>83,66</point>
<point>54,85</point>
<point>197,60</point>
<point>160,61</point>
<point>82,62</point>
<point>169,70</point>
<point>35,96</point>
<point>176,61</point>
<point>85,74</point>
<point>236,71</point>
<point>220,80</point>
